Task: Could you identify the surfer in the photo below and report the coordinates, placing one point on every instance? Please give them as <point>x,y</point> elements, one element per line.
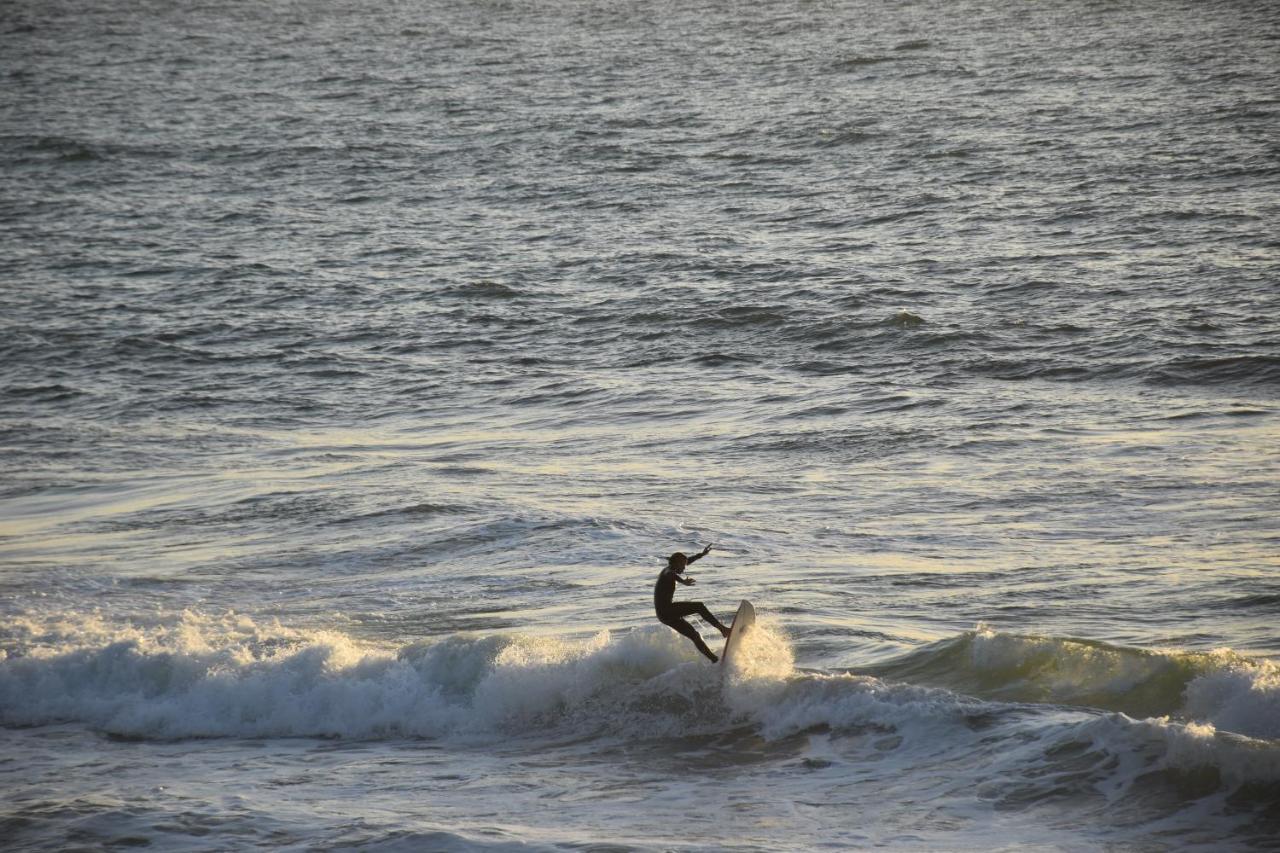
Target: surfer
<point>673,613</point>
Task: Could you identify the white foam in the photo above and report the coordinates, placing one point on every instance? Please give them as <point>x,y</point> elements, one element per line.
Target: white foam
<point>229,676</point>
<point>1144,746</point>
<point>1241,696</point>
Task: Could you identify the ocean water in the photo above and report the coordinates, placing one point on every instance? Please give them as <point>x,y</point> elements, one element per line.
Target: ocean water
<point>361,362</point>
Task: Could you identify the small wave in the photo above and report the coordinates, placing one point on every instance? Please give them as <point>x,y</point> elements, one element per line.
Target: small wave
<point>831,138</point>
<point>904,320</point>
<point>415,512</point>
<point>1223,688</point>
<point>753,315</point>
<point>721,359</point>
<point>854,63</point>
<point>1260,369</point>
<point>484,290</point>
<point>1014,371</point>
<point>73,150</point>
<point>55,392</point>
<point>1244,602</point>
<point>59,147</point>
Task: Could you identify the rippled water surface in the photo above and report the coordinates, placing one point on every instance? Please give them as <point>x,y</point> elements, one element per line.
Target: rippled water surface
<point>361,362</point>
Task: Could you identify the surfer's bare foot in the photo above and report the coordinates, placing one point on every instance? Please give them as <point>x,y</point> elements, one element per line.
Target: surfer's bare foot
<point>724,632</point>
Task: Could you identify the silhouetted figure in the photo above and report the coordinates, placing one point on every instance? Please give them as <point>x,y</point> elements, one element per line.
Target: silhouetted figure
<point>672,613</point>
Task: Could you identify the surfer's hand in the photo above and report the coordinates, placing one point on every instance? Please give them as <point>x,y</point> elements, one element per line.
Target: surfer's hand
<point>706,550</point>
<point>690,581</point>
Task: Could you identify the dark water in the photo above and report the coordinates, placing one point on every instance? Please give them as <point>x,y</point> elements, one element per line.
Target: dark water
<point>361,361</point>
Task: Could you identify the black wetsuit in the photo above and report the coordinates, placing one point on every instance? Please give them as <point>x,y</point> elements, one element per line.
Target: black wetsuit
<point>672,613</point>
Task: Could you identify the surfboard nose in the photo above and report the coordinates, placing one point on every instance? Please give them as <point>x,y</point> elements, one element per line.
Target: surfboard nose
<point>742,620</point>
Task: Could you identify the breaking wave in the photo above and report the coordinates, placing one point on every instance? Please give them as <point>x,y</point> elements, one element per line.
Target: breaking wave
<point>229,676</point>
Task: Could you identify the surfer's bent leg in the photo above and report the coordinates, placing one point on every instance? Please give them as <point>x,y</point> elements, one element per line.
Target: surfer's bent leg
<point>697,608</point>
<point>706,614</point>
<point>685,628</point>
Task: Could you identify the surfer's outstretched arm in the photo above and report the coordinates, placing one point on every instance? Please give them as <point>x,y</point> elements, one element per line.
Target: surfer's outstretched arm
<point>700,554</point>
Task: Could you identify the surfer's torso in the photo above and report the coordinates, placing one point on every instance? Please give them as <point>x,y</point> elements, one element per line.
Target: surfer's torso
<point>663,590</point>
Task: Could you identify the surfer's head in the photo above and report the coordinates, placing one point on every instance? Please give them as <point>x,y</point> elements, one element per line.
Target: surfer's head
<point>677,561</point>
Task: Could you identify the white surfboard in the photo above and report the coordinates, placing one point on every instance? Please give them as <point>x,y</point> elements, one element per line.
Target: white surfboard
<point>742,620</point>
